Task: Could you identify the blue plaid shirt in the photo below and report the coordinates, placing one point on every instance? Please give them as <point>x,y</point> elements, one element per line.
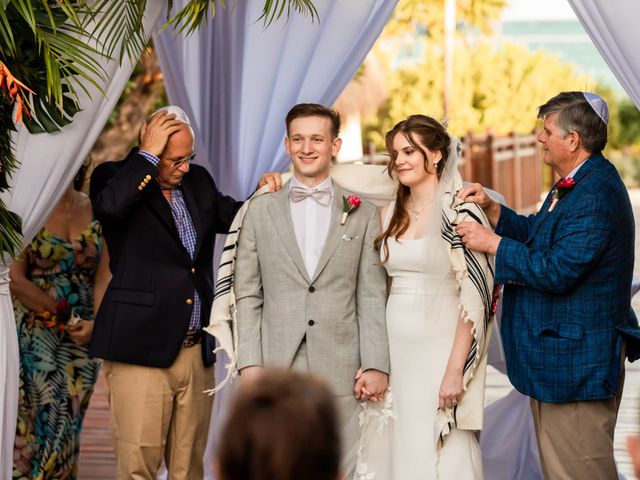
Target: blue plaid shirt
<point>187,233</point>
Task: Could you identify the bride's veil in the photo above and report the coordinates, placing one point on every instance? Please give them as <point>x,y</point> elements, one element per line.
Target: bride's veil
<point>448,184</point>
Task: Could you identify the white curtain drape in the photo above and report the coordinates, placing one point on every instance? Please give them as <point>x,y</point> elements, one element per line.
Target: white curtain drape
<point>48,163</point>
<point>237,80</point>
<point>612,27</point>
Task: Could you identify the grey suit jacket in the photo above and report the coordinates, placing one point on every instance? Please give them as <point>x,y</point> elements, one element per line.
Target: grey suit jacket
<point>341,310</point>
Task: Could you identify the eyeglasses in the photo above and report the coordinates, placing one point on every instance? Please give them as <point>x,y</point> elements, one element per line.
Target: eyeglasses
<point>188,159</point>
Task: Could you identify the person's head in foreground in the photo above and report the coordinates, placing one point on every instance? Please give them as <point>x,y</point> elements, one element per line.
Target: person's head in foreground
<point>282,426</point>
<point>575,126</point>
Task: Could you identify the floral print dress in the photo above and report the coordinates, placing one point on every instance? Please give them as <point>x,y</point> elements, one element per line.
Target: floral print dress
<point>57,376</point>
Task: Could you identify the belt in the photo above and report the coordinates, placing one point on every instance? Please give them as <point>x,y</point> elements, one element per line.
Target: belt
<point>193,337</point>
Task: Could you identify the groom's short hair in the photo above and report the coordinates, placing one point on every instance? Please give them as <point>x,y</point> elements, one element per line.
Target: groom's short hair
<point>282,425</point>
<point>314,110</point>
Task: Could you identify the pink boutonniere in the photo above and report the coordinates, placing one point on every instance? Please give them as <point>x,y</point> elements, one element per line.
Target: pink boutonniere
<point>349,204</point>
<point>562,188</point>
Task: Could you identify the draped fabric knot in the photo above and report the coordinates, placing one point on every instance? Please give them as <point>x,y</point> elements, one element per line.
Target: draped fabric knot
<point>322,196</point>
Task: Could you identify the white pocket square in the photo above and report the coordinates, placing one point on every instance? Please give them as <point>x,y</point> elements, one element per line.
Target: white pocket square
<point>347,238</point>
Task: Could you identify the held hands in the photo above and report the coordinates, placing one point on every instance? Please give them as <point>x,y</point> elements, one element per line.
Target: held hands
<point>273,179</point>
<point>478,237</point>
<point>156,132</point>
<point>450,390</point>
<point>371,385</point>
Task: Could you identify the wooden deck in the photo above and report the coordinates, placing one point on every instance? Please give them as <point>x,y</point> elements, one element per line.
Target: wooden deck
<point>97,460</point>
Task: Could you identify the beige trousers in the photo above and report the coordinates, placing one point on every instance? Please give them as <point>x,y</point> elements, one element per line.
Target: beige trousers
<point>348,408</point>
<point>160,413</point>
<point>575,439</point>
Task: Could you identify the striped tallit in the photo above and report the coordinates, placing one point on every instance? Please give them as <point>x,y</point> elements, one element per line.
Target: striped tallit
<point>475,277</point>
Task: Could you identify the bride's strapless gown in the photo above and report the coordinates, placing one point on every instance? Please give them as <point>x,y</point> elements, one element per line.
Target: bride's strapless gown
<point>422,312</point>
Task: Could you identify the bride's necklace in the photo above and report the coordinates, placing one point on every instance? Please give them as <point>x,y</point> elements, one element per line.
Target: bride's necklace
<point>70,205</point>
<point>414,210</point>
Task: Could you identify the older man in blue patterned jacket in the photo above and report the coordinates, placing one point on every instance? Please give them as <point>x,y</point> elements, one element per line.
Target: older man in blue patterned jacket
<point>567,322</point>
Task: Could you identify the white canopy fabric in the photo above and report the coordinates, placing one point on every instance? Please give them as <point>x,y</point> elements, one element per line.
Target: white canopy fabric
<point>612,27</point>
<point>237,80</point>
<point>48,163</point>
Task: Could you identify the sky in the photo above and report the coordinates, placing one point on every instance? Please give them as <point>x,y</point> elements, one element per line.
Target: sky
<point>538,10</point>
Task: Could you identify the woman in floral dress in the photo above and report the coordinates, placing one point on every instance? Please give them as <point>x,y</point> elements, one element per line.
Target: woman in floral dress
<point>57,283</point>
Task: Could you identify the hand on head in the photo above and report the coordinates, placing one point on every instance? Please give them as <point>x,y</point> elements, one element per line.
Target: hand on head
<point>156,132</point>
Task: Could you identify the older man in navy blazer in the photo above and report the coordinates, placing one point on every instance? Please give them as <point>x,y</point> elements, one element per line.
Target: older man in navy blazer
<point>567,322</point>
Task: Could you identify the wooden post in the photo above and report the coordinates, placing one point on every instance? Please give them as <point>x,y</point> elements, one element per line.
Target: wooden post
<point>518,178</point>
<point>468,158</point>
<point>492,174</point>
<point>449,32</point>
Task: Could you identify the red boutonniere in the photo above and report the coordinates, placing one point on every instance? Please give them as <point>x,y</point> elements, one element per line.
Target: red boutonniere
<point>562,188</point>
<point>349,204</point>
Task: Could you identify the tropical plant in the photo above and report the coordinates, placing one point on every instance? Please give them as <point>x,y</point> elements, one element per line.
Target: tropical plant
<point>49,48</point>
<point>496,89</point>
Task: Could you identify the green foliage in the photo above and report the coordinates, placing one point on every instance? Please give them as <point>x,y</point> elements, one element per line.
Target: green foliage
<point>196,12</point>
<point>629,118</point>
<point>420,17</point>
<point>627,162</point>
<point>497,89</point>
<point>55,46</point>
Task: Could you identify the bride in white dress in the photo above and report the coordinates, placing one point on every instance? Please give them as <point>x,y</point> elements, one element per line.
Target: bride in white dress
<point>438,311</point>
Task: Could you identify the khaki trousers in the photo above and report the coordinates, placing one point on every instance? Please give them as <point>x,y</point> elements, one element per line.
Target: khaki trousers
<point>348,408</point>
<point>575,439</point>
<point>160,413</point>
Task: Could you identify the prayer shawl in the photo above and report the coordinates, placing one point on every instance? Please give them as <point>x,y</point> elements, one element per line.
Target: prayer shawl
<point>475,277</point>
<point>222,323</point>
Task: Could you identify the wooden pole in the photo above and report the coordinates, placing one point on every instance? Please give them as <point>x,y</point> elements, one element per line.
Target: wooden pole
<point>449,33</point>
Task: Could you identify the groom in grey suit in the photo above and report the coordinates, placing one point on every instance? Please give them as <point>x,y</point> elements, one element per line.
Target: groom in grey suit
<point>310,290</point>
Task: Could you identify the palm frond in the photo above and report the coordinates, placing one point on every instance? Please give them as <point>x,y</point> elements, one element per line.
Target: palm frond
<point>10,231</point>
<point>190,17</point>
<point>121,23</point>
<point>48,43</point>
<point>275,9</point>
<point>6,34</point>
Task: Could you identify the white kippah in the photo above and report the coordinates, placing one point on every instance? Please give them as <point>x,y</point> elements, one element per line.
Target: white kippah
<point>177,111</point>
<point>599,106</point>
<point>180,115</point>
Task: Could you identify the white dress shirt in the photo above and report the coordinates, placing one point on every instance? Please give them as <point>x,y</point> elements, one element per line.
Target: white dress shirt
<point>575,170</point>
<point>311,222</point>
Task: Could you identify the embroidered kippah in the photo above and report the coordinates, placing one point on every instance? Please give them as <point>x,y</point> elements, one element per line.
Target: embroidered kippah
<point>598,105</point>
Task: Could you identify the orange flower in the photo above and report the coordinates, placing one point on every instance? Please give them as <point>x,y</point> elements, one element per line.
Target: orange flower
<point>16,90</point>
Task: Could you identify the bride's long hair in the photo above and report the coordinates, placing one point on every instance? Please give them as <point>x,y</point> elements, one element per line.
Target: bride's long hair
<point>419,130</point>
